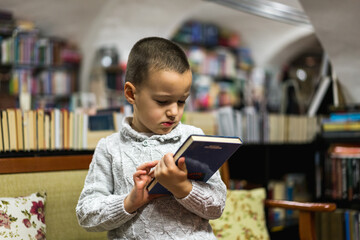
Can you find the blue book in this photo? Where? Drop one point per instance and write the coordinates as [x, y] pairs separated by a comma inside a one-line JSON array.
[[204, 155], [347, 225], [344, 117]]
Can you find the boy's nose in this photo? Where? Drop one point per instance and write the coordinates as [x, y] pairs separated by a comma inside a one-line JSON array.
[[173, 110]]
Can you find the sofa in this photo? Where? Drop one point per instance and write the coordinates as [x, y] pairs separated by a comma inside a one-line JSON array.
[[62, 190]]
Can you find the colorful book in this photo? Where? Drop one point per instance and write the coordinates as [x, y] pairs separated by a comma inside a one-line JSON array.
[[204, 155]]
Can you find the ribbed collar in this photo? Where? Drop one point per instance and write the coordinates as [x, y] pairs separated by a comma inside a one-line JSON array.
[[129, 133]]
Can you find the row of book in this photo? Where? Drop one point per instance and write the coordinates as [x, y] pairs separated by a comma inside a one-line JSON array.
[[255, 127], [54, 129], [207, 34], [63, 129], [342, 172], [47, 82], [208, 94], [28, 47], [342, 224], [219, 62]]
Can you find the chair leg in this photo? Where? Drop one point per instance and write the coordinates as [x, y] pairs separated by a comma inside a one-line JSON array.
[[307, 225]]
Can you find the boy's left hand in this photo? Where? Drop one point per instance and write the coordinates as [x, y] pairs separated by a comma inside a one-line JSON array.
[[139, 195], [172, 176]]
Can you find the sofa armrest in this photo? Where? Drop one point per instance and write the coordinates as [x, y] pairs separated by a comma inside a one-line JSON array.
[[302, 206], [306, 214]]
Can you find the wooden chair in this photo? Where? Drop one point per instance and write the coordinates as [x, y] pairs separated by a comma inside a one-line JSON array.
[[306, 210]]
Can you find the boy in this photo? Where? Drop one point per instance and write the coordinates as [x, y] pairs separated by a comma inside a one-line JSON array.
[[114, 198]]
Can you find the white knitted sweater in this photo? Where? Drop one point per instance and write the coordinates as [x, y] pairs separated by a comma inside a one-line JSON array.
[[110, 179]]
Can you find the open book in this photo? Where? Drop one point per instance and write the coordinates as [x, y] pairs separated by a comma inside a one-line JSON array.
[[204, 155]]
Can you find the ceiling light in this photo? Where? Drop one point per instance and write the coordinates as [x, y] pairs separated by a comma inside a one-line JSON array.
[[268, 9]]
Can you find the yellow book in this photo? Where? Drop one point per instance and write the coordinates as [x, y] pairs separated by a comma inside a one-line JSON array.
[[47, 131], [5, 128], [341, 126], [40, 129], [65, 116], [204, 120], [26, 131], [19, 129], [1, 137], [71, 130], [12, 129]]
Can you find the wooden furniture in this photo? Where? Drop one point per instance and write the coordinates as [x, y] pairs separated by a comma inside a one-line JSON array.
[[306, 214], [44, 163]]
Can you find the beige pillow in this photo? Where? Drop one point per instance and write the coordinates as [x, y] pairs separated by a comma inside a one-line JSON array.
[[243, 216], [23, 217]]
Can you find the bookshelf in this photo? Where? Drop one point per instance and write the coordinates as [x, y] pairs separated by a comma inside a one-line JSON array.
[[219, 63], [36, 71]]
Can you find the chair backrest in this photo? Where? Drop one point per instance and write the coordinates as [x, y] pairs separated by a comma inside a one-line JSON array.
[[243, 216]]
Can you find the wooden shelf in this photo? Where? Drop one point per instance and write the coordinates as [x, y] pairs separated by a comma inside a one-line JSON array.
[[44, 163]]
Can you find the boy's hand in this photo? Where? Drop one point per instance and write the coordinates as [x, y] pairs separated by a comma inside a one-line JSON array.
[[139, 194], [172, 176]]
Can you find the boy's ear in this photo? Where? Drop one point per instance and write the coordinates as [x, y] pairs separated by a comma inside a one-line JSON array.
[[129, 92]]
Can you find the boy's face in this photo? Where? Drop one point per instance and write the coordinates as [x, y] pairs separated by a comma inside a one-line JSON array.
[[159, 103]]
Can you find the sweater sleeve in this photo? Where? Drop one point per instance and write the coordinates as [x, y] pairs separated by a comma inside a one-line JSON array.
[[206, 200], [98, 209]]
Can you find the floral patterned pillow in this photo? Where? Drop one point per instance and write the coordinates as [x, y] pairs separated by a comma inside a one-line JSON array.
[[23, 217], [243, 216]]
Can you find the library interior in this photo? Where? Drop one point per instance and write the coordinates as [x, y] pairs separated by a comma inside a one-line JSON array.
[[280, 75]]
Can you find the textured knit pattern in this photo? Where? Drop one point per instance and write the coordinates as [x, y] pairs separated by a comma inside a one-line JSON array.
[[110, 179]]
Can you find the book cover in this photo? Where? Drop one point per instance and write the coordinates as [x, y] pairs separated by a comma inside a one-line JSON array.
[[204, 155]]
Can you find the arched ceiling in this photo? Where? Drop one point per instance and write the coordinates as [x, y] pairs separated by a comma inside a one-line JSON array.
[[121, 23]]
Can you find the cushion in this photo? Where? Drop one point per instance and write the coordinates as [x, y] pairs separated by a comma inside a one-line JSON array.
[[23, 217], [243, 216]]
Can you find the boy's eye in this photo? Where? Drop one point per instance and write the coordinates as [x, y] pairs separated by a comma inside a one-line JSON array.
[[181, 102], [161, 102]]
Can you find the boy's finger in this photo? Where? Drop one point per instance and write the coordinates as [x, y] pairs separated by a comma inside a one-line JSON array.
[[147, 165], [182, 164]]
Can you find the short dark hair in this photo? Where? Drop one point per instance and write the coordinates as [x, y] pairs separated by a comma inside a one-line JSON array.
[[154, 53]]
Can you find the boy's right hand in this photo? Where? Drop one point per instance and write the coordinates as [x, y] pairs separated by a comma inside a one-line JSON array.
[[139, 194]]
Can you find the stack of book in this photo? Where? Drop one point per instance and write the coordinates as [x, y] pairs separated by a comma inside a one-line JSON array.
[[341, 125], [54, 129]]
